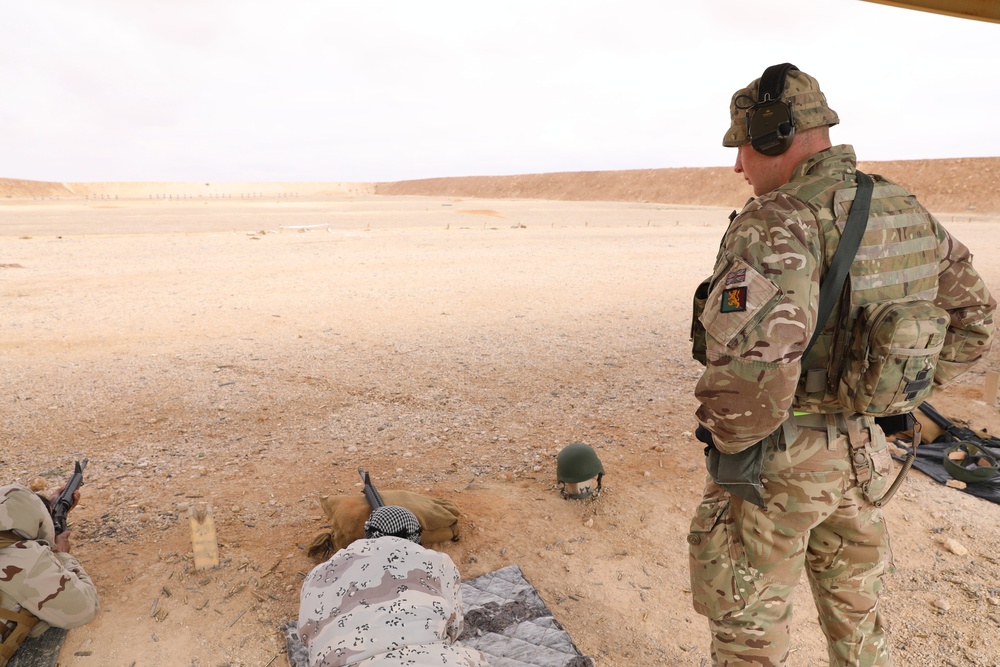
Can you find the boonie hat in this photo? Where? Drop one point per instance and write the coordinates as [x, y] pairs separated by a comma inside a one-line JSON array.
[[809, 107]]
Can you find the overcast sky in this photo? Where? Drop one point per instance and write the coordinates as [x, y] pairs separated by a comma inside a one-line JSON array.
[[383, 90]]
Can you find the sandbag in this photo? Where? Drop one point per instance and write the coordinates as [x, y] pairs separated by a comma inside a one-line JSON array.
[[347, 515]]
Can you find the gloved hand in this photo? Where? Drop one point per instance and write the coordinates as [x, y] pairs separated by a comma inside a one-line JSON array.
[[704, 435]]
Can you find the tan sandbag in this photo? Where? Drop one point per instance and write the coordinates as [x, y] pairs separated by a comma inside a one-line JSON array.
[[347, 515], [929, 431]]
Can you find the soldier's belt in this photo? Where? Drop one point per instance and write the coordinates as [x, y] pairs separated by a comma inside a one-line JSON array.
[[819, 420]]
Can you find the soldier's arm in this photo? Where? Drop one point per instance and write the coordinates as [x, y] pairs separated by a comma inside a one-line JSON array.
[[962, 292], [57, 590], [759, 319]]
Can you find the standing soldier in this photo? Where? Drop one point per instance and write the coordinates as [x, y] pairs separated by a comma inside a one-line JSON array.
[[41, 584], [798, 471]]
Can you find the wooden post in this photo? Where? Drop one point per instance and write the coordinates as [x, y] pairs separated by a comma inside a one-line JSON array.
[[990, 388], [203, 540]]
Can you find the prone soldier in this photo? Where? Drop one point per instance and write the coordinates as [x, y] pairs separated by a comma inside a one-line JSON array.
[[41, 584]]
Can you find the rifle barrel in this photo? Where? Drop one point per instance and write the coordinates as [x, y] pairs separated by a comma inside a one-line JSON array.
[[64, 501], [372, 495]]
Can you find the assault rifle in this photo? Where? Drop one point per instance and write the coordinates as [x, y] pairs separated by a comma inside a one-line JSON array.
[[64, 501], [374, 499], [952, 431]]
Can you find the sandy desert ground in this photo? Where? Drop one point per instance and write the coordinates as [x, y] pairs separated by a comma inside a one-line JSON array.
[[197, 347]]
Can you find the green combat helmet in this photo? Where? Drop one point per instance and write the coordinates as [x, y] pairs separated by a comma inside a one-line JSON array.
[[970, 463], [577, 466]]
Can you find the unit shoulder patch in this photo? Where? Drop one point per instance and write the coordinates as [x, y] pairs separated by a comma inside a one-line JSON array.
[[741, 297], [734, 300]]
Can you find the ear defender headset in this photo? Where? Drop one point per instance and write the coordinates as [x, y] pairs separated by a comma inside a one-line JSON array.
[[770, 124]]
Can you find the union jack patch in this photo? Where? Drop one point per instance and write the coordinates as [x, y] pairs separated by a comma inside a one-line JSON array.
[[736, 277], [734, 300]]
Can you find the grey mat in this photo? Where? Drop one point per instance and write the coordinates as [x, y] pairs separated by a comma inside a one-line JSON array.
[[507, 620], [41, 651]]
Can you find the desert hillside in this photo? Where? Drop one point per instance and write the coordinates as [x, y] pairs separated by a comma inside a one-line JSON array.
[[947, 185], [950, 185]]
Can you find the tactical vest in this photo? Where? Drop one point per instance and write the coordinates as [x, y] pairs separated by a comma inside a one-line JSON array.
[[23, 620], [897, 263]]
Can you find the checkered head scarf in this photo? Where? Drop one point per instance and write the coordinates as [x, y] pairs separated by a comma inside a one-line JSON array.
[[394, 521]]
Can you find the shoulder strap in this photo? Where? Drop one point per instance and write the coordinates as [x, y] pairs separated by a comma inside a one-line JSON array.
[[854, 229]]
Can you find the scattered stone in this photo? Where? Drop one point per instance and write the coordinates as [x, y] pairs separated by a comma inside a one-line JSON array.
[[954, 546], [942, 604], [955, 484], [38, 484]]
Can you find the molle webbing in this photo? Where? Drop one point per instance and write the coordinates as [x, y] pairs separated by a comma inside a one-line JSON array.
[[897, 262], [897, 258]]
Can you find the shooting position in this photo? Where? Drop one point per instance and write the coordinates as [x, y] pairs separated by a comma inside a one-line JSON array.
[[385, 598], [43, 585]]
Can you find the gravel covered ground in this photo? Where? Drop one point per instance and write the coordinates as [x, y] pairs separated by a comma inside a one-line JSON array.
[[196, 352]]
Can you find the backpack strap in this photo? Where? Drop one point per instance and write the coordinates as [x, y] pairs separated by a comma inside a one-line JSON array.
[[833, 282]]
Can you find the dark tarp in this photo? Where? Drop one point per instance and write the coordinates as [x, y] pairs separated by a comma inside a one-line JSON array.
[[930, 460], [41, 651]]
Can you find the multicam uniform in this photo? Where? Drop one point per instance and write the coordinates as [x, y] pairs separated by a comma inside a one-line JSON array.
[[384, 601], [51, 585], [759, 317]]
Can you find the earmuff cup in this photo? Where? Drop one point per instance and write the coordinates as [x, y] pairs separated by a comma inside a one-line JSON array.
[[770, 124]]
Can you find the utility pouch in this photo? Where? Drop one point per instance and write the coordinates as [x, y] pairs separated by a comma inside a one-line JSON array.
[[740, 473], [889, 365], [699, 342], [870, 458]]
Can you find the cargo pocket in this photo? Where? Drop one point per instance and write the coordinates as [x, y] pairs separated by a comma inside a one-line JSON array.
[[722, 581]]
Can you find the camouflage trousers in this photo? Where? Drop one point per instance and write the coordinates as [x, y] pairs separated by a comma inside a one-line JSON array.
[[746, 561]]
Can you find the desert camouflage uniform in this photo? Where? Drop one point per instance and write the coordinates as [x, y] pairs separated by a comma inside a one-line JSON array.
[[384, 601], [50, 585], [759, 317]]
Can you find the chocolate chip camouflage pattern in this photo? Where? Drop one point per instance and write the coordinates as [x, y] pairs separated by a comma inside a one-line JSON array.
[[52, 586], [384, 601], [822, 473]]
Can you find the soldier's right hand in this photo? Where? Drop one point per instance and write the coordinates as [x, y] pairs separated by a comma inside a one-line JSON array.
[[62, 542]]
